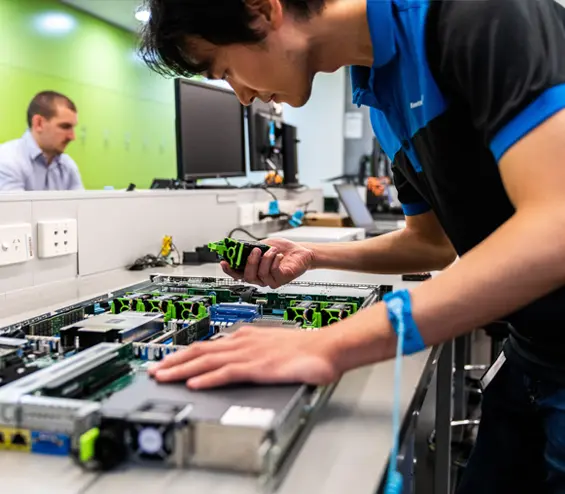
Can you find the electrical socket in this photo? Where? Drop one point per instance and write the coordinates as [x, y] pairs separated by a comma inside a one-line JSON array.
[[16, 244], [246, 215], [57, 238], [288, 207], [261, 207]]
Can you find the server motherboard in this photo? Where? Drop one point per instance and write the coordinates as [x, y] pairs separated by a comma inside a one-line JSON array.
[[73, 382]]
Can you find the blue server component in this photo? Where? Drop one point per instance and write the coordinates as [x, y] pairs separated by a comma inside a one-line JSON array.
[[168, 342], [161, 352], [232, 313], [98, 309], [143, 353], [50, 443]]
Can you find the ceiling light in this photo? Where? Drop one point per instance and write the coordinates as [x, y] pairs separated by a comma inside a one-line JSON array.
[[143, 15], [55, 23]]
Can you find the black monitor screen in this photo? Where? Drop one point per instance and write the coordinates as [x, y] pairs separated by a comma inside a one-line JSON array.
[[265, 138], [210, 132]]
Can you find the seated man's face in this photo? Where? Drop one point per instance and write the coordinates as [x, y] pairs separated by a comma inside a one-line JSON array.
[[59, 131]]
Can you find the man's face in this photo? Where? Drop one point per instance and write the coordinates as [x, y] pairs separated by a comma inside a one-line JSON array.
[[268, 71], [57, 132]]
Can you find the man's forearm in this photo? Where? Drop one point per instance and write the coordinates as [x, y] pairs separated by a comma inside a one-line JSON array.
[[398, 252], [486, 284]]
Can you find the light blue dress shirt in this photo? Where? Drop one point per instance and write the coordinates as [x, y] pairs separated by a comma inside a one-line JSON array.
[[23, 167]]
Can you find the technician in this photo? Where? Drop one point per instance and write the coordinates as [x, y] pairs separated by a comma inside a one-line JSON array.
[[468, 99], [36, 160]]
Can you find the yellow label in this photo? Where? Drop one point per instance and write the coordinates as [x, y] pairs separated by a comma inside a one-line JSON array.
[[15, 439]]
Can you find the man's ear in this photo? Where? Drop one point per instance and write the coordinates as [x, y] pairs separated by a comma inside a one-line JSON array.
[[37, 122], [266, 14]]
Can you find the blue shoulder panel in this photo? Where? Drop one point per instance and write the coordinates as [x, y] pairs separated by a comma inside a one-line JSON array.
[[545, 106], [403, 93]]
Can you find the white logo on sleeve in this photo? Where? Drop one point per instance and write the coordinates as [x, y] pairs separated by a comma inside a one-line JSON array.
[[417, 104]]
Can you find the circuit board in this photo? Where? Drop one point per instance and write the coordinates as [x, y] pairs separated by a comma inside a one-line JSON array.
[[73, 382]]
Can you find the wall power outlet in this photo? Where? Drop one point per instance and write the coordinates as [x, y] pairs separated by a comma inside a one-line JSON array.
[[16, 244], [57, 238]]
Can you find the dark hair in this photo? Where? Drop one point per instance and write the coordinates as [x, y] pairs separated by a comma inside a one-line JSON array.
[[172, 23], [44, 104]]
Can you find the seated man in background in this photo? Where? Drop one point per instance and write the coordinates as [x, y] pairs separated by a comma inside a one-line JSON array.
[[36, 160]]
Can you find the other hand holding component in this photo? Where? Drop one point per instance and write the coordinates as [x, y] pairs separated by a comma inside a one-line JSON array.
[[281, 264]]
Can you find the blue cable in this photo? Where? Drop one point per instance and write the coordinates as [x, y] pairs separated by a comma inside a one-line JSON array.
[[394, 482]]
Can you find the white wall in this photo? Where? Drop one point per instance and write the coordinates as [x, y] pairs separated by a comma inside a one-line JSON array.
[[320, 130], [355, 149]]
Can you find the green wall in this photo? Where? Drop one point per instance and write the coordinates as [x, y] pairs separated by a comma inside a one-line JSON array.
[[126, 113]]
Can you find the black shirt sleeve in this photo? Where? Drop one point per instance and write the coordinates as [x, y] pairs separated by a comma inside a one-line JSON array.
[[412, 202], [505, 60]]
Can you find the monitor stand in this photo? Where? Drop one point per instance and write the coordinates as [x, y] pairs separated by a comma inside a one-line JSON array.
[[294, 186]]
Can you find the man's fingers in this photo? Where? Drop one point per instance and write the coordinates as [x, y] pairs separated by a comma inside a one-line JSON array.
[[221, 377], [194, 351], [276, 271], [264, 272], [252, 266], [256, 372], [198, 366], [229, 271], [276, 263]]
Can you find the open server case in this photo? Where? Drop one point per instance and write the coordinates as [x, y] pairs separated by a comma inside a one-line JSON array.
[[73, 382]]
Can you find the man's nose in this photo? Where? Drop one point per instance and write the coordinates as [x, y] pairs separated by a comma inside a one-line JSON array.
[[245, 95]]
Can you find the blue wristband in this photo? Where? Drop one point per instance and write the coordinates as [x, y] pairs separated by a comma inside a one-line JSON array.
[[399, 307]]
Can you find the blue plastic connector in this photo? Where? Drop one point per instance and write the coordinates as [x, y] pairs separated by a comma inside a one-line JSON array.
[[297, 219], [274, 208]]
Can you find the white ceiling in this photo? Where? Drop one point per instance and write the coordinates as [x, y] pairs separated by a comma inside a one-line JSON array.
[[118, 12]]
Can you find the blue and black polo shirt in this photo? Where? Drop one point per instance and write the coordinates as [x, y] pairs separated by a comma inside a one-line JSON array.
[[454, 85]]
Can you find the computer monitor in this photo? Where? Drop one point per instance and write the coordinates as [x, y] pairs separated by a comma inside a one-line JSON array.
[[290, 155], [265, 140], [353, 203], [210, 132]]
